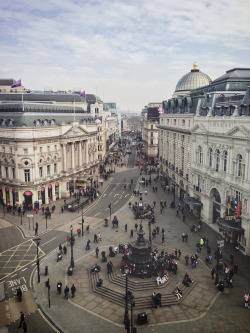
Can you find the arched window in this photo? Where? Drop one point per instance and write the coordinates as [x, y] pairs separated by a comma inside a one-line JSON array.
[[217, 166], [225, 162], [210, 157], [200, 155], [239, 159]]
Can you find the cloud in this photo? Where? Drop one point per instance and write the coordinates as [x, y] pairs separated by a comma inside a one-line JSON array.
[[134, 51]]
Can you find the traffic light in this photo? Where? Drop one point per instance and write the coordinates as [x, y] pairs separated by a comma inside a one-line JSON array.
[[47, 284], [109, 205]]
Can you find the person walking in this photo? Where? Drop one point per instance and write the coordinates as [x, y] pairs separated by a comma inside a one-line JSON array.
[[183, 237], [66, 292], [163, 239], [87, 228], [99, 237], [59, 287], [187, 259], [24, 327], [177, 212], [136, 226], [212, 272], [88, 245], [97, 252], [73, 290], [95, 238], [60, 248], [131, 233], [21, 319], [154, 203], [161, 210]]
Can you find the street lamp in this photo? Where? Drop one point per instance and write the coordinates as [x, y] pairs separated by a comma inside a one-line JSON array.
[[37, 257], [126, 316], [72, 264], [82, 220], [217, 257], [110, 210]]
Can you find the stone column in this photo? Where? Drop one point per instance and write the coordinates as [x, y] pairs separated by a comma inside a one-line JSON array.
[[87, 152], [80, 153], [73, 155], [64, 158]]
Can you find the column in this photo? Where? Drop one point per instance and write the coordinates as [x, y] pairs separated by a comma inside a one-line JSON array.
[[64, 158], [87, 152], [73, 155], [80, 153]]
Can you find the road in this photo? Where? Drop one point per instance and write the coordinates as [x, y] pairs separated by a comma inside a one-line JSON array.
[[18, 257]]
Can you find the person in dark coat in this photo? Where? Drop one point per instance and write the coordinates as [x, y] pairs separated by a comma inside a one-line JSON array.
[[21, 319], [73, 290]]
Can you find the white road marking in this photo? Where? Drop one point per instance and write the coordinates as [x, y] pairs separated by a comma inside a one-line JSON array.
[[33, 264], [104, 194], [115, 195], [126, 195], [116, 202], [48, 241], [24, 269], [106, 208], [14, 275], [97, 214]]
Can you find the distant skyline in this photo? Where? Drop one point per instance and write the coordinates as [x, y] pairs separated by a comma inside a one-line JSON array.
[[127, 52]]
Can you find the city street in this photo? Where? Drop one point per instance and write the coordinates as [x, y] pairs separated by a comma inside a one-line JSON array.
[[230, 302]]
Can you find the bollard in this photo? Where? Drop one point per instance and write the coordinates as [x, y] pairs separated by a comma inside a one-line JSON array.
[[46, 270]]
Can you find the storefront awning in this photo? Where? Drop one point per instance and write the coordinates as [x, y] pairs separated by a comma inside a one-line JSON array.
[[230, 225], [191, 201]]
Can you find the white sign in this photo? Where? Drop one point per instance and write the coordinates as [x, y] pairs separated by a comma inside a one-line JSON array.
[[17, 283]]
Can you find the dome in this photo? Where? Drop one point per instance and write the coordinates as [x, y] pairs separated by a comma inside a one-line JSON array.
[[192, 80]]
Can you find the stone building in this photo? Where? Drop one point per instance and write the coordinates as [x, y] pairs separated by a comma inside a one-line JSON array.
[[221, 155], [175, 141], [51, 144]]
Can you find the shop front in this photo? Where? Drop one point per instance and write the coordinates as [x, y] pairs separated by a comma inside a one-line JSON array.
[[28, 199], [42, 195], [50, 192], [57, 190], [7, 194], [14, 197]]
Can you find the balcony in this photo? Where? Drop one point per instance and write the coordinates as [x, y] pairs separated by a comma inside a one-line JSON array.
[[181, 172], [197, 188]]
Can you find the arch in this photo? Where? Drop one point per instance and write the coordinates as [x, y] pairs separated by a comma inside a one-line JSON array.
[[215, 195]]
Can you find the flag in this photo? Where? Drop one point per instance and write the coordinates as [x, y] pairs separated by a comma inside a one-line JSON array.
[[16, 84], [82, 93]]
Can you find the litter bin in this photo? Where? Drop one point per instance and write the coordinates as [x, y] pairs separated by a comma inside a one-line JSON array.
[[70, 271], [46, 270], [142, 318]]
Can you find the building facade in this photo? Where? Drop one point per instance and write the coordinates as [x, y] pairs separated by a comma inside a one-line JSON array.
[[175, 140], [51, 144], [221, 155]]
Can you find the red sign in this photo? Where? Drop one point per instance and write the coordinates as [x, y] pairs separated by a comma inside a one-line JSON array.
[[56, 184], [6, 189], [43, 189], [50, 186], [13, 190], [238, 209], [27, 194]]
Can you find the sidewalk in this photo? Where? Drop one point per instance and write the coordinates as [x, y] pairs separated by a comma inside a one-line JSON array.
[[86, 311]]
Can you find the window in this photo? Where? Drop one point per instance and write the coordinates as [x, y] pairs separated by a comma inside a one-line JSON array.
[[41, 149], [48, 170], [237, 196], [199, 181], [182, 159], [25, 151], [55, 168], [27, 175], [239, 159], [210, 157], [152, 141], [225, 162], [7, 172], [152, 134], [11, 150], [217, 167], [167, 121], [152, 126], [40, 171], [48, 148], [183, 122], [13, 173], [174, 121], [55, 147], [200, 155]]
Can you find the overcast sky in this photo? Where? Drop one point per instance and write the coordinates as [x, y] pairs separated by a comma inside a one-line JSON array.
[[128, 52]]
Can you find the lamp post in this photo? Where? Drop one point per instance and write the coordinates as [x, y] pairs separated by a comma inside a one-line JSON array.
[[37, 258], [126, 316], [173, 187], [72, 264], [217, 257], [91, 180], [110, 210], [82, 220]]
